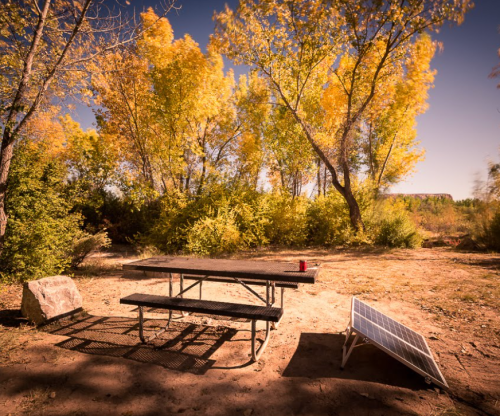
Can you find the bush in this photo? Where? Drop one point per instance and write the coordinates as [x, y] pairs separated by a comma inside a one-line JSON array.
[[287, 219], [486, 231], [41, 226], [395, 227], [214, 235], [493, 232], [179, 213], [250, 209], [169, 233], [440, 215], [84, 244], [329, 222]]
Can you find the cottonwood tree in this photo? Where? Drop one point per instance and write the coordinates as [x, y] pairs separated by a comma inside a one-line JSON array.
[[45, 47], [290, 161], [193, 105], [124, 93], [300, 45], [384, 139], [182, 122]]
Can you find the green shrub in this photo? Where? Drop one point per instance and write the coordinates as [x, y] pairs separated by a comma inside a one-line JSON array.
[[486, 230], [41, 226], [169, 232], [85, 243], [329, 222], [287, 224], [394, 227], [179, 213], [214, 235], [250, 209], [494, 233]]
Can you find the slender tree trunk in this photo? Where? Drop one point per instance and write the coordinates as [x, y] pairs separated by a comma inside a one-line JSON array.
[[319, 176], [203, 174], [6, 152], [324, 180]]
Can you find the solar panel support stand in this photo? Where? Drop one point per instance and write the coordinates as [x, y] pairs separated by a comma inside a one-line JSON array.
[[346, 353]]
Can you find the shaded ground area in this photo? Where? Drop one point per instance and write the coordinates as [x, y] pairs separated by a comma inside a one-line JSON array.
[[94, 364]]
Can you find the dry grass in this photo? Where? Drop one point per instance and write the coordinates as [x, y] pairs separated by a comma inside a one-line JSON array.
[[96, 267], [36, 400], [449, 411], [13, 342]]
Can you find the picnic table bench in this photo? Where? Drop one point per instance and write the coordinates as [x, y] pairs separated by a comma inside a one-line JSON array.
[[243, 272]]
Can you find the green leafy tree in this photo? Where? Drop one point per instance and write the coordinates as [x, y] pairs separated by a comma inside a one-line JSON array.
[[299, 45], [41, 226], [46, 48]]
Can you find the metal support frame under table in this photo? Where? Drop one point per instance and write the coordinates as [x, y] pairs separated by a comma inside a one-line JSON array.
[[256, 352]]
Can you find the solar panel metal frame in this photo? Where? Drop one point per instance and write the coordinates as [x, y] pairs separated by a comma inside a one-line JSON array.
[[352, 329]]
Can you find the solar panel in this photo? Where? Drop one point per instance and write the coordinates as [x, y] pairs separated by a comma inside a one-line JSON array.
[[399, 341]]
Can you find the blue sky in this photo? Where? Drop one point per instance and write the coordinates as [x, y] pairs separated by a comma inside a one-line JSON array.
[[461, 129]]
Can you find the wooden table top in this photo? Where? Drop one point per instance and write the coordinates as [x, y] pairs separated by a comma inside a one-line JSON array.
[[249, 269]]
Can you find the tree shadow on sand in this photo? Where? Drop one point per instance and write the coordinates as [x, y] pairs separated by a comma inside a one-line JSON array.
[[320, 356], [183, 347]]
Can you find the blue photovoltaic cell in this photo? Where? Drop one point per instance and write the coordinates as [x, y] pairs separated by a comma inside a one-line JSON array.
[[391, 325], [406, 345]]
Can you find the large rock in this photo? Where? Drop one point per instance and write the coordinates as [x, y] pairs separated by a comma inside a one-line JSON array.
[[49, 299]]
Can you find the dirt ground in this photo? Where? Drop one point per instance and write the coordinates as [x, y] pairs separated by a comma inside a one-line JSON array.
[[95, 365]]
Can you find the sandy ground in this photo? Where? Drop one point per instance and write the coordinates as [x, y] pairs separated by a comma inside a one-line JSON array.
[[95, 365]]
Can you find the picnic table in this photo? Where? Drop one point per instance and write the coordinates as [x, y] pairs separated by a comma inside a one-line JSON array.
[[247, 273]]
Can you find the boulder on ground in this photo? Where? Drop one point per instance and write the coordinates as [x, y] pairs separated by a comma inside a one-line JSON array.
[[49, 299]]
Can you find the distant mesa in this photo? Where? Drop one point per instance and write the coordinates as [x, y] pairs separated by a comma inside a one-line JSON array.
[[420, 196]]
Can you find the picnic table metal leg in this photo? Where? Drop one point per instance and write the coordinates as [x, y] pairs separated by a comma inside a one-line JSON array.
[[170, 293], [161, 331], [275, 325], [268, 291], [141, 325], [257, 352], [181, 292]]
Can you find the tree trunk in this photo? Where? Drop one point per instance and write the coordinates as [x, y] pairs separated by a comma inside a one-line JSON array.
[[354, 212], [319, 175], [5, 159]]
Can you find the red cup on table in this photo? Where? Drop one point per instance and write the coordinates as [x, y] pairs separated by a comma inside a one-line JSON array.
[[302, 265]]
